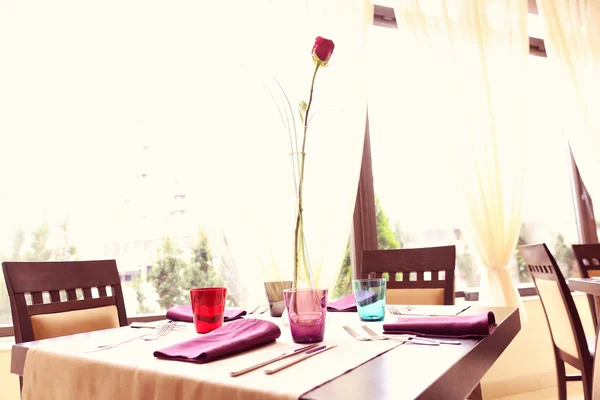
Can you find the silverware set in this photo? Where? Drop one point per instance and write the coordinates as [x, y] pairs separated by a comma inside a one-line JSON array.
[[160, 332], [303, 353], [413, 339]]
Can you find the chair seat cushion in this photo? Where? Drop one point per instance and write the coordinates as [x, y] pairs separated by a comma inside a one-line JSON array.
[[415, 296], [71, 322]]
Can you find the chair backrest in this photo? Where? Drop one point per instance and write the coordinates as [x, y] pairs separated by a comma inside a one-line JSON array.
[[563, 319], [588, 263], [47, 315], [588, 259], [415, 276]]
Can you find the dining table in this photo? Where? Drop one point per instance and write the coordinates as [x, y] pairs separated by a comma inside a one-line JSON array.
[[374, 370]]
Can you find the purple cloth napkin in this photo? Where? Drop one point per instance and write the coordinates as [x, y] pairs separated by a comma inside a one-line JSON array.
[[444, 326], [348, 303], [230, 339], [184, 313]]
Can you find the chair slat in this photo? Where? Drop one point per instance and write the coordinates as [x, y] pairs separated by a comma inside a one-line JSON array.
[[50, 308], [37, 298], [55, 296], [71, 294], [87, 293], [415, 285], [102, 291]]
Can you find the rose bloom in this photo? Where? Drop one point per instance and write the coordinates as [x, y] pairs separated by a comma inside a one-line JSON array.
[[322, 50]]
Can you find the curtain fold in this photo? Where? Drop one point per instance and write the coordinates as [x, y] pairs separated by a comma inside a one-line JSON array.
[[573, 46], [469, 58]]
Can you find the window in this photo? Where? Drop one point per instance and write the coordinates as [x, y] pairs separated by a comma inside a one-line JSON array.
[[417, 197], [93, 167]]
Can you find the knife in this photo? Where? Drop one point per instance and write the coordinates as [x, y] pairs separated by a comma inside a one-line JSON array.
[[306, 355], [272, 360]]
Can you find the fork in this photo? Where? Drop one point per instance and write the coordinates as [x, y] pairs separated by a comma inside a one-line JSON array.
[[164, 329], [395, 311], [411, 339], [371, 338], [403, 338], [356, 335]]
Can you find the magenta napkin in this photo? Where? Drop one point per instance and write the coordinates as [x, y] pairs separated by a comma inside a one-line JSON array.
[[346, 303], [230, 339], [444, 326], [184, 313]]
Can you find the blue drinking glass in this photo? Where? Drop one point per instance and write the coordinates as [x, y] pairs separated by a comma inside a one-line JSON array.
[[370, 298]]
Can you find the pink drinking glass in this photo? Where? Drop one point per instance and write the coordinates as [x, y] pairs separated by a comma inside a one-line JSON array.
[[307, 309], [208, 307]]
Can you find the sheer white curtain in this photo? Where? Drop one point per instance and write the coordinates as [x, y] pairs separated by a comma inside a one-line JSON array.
[[573, 47], [257, 195], [467, 63]]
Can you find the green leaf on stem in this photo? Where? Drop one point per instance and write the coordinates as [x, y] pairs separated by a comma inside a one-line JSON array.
[[302, 106]]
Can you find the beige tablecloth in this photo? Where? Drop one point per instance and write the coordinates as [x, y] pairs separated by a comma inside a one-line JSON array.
[[63, 370]]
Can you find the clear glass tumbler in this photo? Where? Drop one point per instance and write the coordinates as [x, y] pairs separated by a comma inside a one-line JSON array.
[[370, 298]]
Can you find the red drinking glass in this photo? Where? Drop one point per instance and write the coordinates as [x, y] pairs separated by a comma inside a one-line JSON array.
[[208, 306]]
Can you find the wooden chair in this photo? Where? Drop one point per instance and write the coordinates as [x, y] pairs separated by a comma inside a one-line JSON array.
[[588, 262], [568, 338], [416, 276], [42, 320]]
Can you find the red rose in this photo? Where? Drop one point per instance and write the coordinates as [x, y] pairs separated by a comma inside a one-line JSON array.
[[322, 50]]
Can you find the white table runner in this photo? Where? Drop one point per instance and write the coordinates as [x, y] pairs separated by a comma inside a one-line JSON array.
[[63, 370]]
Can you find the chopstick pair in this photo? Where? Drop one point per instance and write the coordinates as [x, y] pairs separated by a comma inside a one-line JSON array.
[[308, 351]]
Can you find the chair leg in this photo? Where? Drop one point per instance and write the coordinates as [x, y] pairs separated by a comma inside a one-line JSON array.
[[476, 394], [561, 378], [586, 380]]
